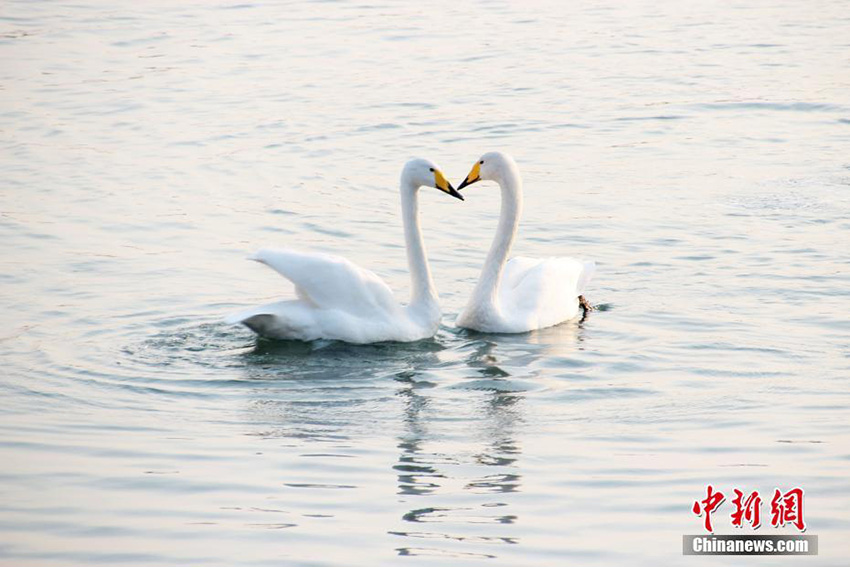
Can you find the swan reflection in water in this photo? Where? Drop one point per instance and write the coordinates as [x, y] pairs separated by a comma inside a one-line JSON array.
[[456, 405], [475, 454]]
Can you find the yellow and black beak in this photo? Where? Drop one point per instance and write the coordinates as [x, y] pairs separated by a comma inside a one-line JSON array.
[[473, 177], [441, 183]]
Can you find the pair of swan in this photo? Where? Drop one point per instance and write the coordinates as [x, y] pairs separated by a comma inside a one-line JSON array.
[[339, 300]]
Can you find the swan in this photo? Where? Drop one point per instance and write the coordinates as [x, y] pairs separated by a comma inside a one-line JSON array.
[[339, 300], [522, 294]]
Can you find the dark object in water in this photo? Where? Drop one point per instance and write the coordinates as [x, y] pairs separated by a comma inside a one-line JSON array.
[[586, 307]]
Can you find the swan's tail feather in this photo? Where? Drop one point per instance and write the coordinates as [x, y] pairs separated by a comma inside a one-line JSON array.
[[233, 319], [259, 320], [261, 324], [586, 275], [281, 320], [257, 256], [242, 316]]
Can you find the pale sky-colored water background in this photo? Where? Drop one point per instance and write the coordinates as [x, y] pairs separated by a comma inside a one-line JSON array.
[[697, 151]]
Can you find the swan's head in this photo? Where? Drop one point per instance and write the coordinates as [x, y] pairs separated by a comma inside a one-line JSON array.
[[492, 166], [425, 173]]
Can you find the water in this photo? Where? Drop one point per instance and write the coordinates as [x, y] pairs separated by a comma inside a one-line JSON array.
[[697, 153]]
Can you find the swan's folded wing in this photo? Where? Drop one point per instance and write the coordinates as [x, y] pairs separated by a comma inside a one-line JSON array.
[[329, 281], [588, 269], [517, 269], [545, 290]]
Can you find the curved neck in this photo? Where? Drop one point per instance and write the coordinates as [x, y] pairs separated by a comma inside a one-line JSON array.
[[422, 286], [487, 290]]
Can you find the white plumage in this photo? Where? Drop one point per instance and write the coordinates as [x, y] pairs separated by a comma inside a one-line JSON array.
[[336, 299], [522, 294]]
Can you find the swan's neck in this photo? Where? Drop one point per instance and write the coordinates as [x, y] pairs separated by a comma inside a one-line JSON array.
[[487, 291], [423, 292]]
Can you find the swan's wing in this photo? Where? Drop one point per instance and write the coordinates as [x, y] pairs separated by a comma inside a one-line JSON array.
[[545, 291], [570, 274], [516, 269], [328, 281]]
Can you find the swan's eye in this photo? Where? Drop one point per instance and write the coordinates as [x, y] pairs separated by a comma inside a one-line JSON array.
[[481, 162], [431, 169]]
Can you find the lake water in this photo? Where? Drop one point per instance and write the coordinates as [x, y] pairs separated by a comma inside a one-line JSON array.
[[697, 152]]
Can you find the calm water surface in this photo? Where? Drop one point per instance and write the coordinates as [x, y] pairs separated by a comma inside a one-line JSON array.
[[699, 153]]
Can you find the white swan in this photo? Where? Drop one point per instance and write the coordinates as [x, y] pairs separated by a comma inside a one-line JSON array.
[[339, 300], [524, 294]]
